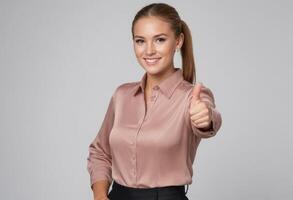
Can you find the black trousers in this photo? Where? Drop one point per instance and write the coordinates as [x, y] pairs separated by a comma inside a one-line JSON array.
[[121, 192]]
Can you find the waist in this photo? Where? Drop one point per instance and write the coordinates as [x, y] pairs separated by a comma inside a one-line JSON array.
[[163, 191]]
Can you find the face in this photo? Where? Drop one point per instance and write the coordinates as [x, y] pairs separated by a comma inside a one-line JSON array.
[[155, 44]]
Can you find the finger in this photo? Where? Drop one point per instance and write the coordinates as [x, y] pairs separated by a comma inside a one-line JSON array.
[[198, 115], [207, 95], [202, 119], [203, 124], [198, 108], [196, 93]]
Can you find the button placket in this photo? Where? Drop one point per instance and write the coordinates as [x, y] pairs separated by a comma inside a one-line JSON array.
[[153, 98], [133, 159], [134, 143], [154, 93]]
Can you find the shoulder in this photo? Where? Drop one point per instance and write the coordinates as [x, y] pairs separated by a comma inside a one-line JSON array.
[[125, 88], [187, 87]]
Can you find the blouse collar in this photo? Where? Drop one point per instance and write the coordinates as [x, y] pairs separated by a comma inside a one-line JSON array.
[[167, 86]]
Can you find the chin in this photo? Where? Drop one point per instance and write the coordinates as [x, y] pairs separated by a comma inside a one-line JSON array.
[[153, 70]]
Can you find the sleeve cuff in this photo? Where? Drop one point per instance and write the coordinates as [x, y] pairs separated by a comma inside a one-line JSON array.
[[100, 177]]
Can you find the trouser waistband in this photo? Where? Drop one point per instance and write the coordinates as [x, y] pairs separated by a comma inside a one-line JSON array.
[[162, 191]]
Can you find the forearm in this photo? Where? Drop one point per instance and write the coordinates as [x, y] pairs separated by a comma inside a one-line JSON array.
[[100, 189]]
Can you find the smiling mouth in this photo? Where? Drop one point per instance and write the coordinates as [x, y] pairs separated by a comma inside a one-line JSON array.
[[151, 61]]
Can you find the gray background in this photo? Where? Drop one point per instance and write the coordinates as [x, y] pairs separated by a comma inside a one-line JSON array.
[[61, 61]]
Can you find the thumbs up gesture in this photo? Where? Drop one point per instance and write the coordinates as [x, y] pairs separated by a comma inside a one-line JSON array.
[[199, 110]]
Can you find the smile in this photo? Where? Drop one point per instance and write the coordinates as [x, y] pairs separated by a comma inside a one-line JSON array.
[[152, 61]]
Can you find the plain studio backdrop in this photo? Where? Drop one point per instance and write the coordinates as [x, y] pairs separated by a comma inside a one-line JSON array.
[[62, 59]]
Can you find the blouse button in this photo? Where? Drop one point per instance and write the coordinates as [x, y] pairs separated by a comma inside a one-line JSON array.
[[156, 87]]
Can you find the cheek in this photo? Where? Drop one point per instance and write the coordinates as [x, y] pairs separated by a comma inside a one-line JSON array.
[[138, 50], [167, 54], [167, 49]]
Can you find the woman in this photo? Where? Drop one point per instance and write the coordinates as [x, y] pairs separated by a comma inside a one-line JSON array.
[[152, 128]]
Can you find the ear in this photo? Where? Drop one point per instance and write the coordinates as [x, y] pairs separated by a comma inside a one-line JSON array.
[[179, 41]]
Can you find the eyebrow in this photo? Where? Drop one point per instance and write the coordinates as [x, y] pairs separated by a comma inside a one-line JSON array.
[[154, 35]]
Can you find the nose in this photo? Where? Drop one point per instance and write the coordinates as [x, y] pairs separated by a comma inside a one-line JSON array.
[[150, 49]]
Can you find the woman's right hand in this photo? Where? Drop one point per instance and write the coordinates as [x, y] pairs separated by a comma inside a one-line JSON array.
[[100, 189]]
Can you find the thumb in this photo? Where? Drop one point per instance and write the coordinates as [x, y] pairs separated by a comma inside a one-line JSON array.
[[196, 93]]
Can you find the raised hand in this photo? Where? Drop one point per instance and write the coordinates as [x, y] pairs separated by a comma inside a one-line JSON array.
[[199, 110]]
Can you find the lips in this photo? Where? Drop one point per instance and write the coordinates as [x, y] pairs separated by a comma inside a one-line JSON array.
[[151, 61]]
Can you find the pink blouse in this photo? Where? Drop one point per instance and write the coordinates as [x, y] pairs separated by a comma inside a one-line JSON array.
[[154, 148]]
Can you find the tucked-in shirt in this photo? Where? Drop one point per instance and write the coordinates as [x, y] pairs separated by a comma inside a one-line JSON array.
[[150, 149]]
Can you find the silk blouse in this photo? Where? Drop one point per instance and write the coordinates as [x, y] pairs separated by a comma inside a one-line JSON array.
[[149, 149]]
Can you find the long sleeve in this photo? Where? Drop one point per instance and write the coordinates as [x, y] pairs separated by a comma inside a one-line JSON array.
[[99, 160], [207, 96]]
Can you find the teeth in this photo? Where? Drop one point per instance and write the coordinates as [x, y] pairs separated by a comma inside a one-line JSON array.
[[153, 60]]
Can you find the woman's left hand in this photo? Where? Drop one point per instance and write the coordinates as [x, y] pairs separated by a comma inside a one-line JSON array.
[[199, 110]]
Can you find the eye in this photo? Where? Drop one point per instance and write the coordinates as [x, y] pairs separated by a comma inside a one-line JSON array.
[[138, 41], [161, 39]]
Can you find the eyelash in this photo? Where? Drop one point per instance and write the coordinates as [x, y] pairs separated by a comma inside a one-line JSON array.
[[162, 40]]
